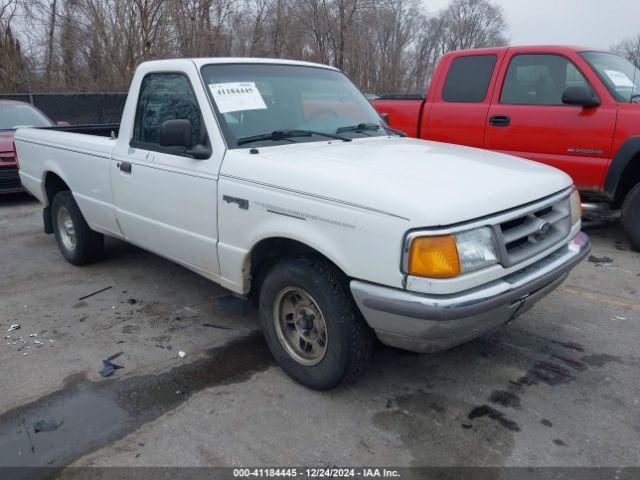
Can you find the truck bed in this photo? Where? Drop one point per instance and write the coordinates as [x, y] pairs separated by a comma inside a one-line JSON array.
[[401, 112], [90, 139], [79, 155]]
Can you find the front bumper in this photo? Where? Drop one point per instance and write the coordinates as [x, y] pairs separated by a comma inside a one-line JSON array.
[[430, 323], [9, 178]]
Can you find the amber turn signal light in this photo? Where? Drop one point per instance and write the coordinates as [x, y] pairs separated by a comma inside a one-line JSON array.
[[576, 207], [435, 256]]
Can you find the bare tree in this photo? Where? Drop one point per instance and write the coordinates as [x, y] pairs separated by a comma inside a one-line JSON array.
[[383, 45], [473, 24], [51, 36], [12, 66], [630, 49]]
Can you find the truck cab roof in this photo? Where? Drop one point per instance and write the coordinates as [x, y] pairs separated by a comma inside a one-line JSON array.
[[527, 48], [199, 62]]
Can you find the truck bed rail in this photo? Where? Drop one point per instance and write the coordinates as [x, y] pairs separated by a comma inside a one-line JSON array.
[[100, 129]]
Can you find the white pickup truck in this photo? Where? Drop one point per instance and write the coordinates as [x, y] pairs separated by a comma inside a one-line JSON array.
[[278, 179]]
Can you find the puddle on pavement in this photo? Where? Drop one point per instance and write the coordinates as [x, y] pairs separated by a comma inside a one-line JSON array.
[[600, 360], [493, 414], [232, 305], [571, 346], [505, 398], [546, 372], [426, 424], [92, 414], [570, 362]]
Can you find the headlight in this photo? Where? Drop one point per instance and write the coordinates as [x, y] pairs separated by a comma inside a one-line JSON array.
[[576, 207], [443, 256], [476, 249]]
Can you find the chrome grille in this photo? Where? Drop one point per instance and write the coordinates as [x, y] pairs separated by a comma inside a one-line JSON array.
[[527, 235]]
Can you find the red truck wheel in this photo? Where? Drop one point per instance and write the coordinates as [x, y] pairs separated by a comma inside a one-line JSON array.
[[631, 216]]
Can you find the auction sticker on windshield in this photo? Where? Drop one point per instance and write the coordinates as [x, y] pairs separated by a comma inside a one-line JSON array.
[[237, 96], [619, 79]]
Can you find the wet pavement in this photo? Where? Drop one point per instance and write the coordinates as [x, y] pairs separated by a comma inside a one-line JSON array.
[[558, 387], [85, 415]]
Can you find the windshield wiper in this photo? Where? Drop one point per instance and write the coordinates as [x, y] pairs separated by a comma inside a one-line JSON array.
[[363, 127], [287, 134]]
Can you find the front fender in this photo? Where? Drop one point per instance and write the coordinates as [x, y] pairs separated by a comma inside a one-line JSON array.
[[363, 244]]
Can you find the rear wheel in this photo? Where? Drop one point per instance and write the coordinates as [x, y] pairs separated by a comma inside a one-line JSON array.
[[77, 242], [311, 324], [631, 216]]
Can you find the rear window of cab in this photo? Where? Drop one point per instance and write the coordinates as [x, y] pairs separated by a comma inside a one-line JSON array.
[[468, 78]]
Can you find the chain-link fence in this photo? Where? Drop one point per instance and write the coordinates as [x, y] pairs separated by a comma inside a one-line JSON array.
[[75, 108]]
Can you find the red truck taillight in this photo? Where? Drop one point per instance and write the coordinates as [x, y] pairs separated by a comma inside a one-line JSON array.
[[15, 155]]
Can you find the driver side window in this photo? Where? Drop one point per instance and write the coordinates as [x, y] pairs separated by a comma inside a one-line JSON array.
[[535, 79], [165, 96]]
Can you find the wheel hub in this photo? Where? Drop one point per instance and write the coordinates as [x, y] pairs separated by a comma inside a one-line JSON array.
[[305, 322], [66, 229], [300, 326]]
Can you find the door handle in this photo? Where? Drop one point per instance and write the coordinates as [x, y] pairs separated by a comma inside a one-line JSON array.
[[499, 121], [124, 166]]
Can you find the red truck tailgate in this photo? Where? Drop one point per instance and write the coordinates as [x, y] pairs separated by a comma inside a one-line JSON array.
[[402, 114]]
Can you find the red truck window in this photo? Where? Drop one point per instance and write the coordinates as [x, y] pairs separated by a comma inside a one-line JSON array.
[[539, 79], [468, 78]]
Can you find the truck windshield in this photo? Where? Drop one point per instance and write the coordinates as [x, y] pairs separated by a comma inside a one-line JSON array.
[[13, 116], [256, 100], [618, 74]]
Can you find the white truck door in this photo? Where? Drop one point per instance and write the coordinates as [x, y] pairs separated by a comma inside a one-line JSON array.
[[166, 201]]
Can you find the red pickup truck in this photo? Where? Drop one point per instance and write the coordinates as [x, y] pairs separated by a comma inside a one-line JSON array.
[[574, 108]]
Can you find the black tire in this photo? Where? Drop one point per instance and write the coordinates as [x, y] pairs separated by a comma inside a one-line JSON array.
[[631, 216], [349, 340], [89, 245]]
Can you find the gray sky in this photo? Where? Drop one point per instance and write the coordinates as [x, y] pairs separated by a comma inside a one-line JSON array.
[[590, 23]]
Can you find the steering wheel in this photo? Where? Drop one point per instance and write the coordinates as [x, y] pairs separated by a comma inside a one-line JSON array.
[[320, 113]]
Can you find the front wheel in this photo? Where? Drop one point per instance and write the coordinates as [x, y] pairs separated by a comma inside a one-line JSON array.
[[631, 216], [77, 242], [312, 325]]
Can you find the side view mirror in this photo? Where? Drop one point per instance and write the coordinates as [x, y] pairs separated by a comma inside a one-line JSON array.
[[581, 96], [385, 117], [62, 123], [199, 152], [175, 133]]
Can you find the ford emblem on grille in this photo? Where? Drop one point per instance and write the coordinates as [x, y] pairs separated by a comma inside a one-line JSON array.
[[544, 228]]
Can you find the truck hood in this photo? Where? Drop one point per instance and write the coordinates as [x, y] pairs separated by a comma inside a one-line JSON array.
[[427, 183]]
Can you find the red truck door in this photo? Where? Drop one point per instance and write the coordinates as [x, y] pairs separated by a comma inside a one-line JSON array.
[[527, 117], [459, 99]]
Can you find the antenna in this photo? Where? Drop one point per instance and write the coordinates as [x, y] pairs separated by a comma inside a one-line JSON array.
[[637, 65]]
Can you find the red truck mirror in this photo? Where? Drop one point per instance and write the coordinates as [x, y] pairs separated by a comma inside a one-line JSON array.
[[581, 96]]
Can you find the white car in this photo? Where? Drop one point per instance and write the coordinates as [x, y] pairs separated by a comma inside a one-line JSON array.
[[278, 180]]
